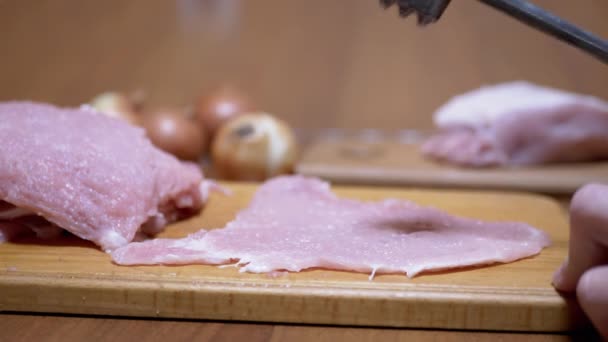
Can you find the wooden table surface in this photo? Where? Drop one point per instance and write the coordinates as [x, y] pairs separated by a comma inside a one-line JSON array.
[[318, 64]]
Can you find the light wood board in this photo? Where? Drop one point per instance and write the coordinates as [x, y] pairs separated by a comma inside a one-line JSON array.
[[72, 276], [392, 163]]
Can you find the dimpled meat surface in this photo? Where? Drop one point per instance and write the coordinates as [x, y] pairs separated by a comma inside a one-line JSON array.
[[294, 223], [95, 176], [519, 123]]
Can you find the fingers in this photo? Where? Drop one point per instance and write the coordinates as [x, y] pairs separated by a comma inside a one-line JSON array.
[[588, 235], [592, 295]]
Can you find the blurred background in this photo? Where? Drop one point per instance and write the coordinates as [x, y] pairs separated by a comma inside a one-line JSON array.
[[314, 63]]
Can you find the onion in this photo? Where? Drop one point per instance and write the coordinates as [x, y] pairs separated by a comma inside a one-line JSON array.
[[171, 131], [117, 105], [216, 108], [253, 147]]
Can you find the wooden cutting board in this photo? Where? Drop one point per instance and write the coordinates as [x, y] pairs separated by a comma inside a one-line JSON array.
[[388, 162], [72, 276]]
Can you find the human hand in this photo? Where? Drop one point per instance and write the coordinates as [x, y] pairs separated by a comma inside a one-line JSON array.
[[585, 271]]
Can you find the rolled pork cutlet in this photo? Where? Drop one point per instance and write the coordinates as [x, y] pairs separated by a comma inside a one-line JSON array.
[[94, 176], [519, 124]]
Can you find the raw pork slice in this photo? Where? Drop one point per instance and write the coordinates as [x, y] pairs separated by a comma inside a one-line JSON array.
[[95, 176], [519, 123], [294, 223]]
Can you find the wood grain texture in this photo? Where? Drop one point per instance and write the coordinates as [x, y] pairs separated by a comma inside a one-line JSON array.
[[391, 163], [70, 276], [26, 328]]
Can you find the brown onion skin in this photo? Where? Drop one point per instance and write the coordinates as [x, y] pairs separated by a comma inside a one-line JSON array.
[[173, 132], [220, 105], [117, 105], [240, 152]]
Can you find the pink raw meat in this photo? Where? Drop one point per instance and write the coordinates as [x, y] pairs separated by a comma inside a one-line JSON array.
[[95, 176], [294, 223], [519, 123]]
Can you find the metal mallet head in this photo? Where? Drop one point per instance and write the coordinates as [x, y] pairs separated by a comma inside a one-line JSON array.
[[428, 11]]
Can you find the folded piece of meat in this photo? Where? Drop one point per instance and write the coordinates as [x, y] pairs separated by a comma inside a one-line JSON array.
[[294, 223], [519, 123], [14, 221], [95, 176]]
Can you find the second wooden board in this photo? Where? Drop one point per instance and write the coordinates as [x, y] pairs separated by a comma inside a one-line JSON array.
[[392, 163]]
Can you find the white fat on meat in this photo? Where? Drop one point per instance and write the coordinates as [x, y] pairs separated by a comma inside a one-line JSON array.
[[295, 223], [519, 123], [95, 176]]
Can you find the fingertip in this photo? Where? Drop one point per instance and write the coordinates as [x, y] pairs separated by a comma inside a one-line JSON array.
[[564, 279], [558, 277], [588, 206], [592, 285]]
